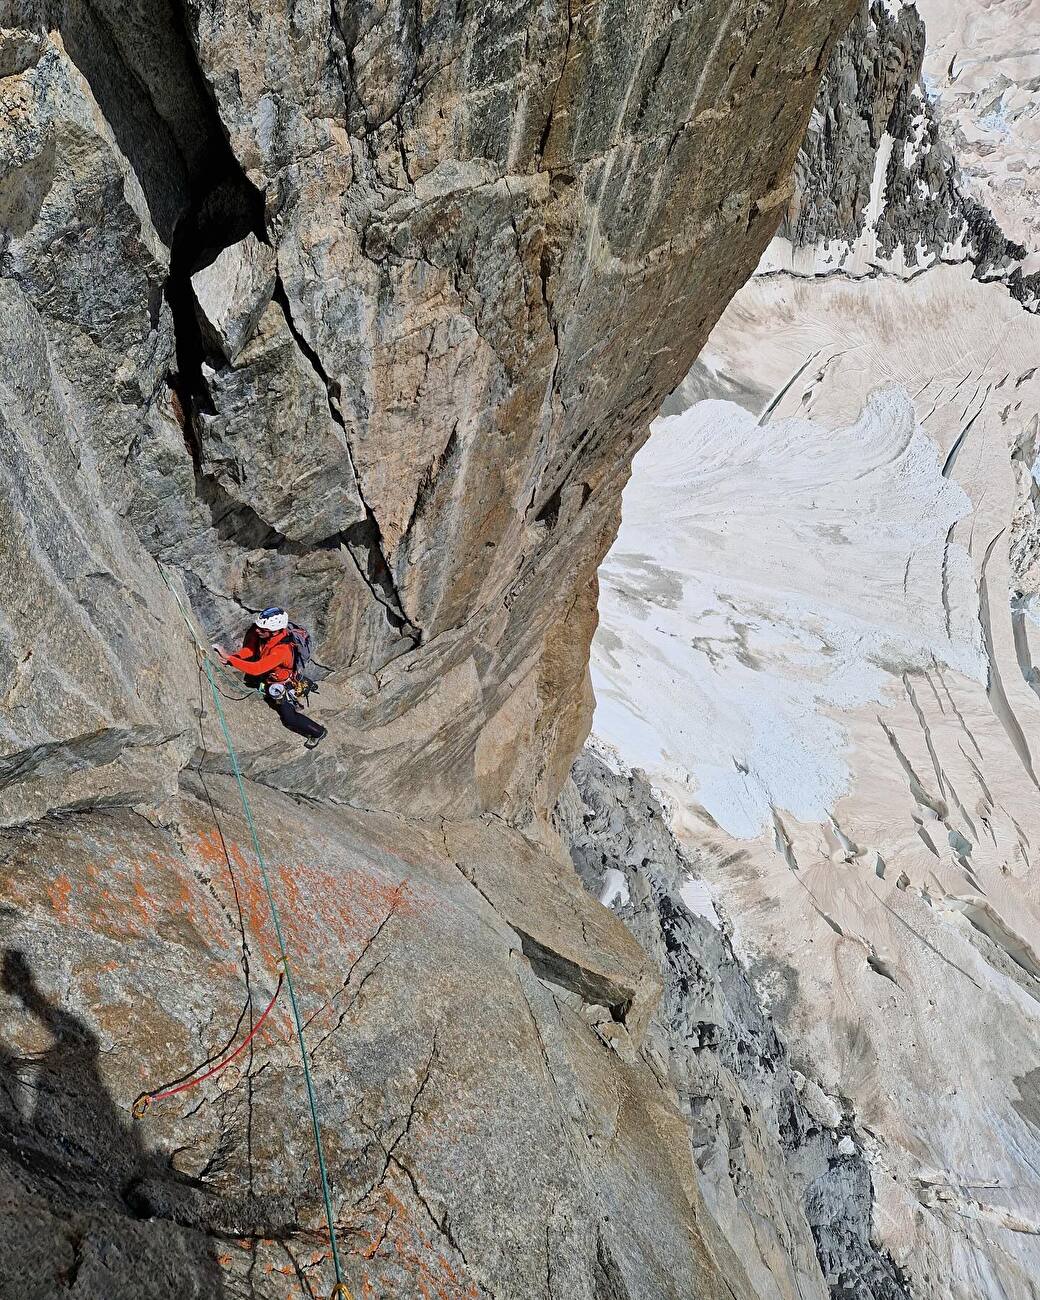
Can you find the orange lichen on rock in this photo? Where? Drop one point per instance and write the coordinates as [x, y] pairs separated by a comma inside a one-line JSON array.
[[59, 891], [348, 904], [402, 1252]]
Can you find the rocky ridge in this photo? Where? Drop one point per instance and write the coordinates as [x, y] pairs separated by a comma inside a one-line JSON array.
[[880, 188], [780, 1165]]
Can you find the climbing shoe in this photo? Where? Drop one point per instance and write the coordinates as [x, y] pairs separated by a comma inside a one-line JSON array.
[[312, 742]]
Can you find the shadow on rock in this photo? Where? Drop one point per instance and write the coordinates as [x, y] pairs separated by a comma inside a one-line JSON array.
[[73, 1217]]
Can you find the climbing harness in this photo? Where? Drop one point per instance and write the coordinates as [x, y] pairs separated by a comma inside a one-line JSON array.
[[144, 1103], [296, 690], [298, 687], [340, 1290]]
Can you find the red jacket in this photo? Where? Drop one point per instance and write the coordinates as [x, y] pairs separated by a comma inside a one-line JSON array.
[[271, 659]]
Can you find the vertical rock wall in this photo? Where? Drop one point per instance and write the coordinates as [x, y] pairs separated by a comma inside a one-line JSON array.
[[360, 309], [453, 240]]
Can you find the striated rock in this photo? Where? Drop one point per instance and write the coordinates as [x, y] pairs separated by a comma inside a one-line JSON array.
[[272, 449], [92, 711], [482, 227], [477, 220]]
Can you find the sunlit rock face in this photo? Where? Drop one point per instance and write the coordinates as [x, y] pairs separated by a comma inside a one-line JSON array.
[[362, 310], [818, 637]]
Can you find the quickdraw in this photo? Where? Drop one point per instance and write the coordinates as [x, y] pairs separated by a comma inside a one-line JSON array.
[[301, 688]]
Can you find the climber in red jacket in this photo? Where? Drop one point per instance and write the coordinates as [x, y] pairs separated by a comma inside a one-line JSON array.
[[267, 660]]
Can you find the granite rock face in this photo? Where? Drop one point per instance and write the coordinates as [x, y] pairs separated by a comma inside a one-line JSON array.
[[232, 293], [362, 310], [474, 219], [270, 449], [490, 1123]]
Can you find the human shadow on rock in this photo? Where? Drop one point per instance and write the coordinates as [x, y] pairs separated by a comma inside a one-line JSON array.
[[73, 1219]]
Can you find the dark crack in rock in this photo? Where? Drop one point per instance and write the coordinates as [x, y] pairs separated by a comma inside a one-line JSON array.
[[476, 245], [483, 223]]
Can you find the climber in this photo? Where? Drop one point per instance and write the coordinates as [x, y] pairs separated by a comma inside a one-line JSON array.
[[269, 659]]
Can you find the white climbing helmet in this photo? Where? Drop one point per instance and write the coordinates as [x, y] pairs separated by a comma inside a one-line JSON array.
[[272, 620]]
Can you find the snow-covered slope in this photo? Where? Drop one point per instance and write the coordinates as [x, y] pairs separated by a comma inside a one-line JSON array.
[[797, 566], [818, 638]]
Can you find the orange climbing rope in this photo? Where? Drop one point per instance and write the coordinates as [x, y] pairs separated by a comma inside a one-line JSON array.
[[145, 1100]]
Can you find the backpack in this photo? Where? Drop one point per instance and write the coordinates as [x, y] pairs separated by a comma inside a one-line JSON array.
[[300, 640]]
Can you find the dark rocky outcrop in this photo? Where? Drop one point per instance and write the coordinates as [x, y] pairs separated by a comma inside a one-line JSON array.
[[874, 92], [780, 1163]]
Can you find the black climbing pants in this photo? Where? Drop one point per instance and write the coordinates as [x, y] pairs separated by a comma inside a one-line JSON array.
[[292, 717]]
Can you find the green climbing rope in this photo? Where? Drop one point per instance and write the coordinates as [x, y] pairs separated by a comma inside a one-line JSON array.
[[341, 1286]]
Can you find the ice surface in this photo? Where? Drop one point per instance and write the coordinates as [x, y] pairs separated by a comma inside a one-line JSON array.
[[615, 888], [766, 578], [697, 898]]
